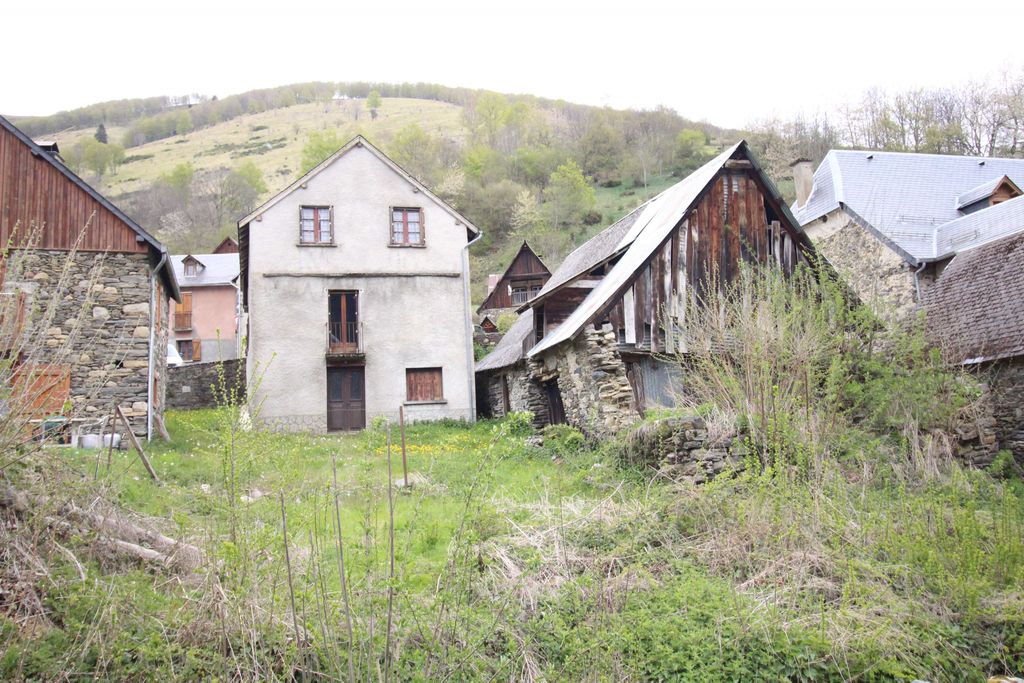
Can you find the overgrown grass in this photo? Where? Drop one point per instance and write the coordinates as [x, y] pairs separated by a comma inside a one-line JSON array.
[[515, 562]]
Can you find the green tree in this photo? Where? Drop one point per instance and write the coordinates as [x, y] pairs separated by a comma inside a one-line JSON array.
[[526, 214], [568, 195], [179, 179], [600, 151], [373, 103], [251, 174], [490, 113], [101, 133], [689, 150], [92, 155], [417, 152], [319, 145]]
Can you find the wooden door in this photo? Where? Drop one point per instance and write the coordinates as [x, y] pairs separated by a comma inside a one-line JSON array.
[[556, 410], [346, 398]]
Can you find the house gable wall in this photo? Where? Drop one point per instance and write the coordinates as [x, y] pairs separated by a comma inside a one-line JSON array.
[[413, 307]]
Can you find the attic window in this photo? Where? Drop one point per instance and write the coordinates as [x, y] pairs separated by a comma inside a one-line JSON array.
[[190, 269], [316, 225]]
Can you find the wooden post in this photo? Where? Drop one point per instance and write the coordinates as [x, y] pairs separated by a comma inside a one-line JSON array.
[[405, 467], [113, 430], [135, 444]]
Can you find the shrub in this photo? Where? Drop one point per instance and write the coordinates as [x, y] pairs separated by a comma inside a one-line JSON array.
[[592, 218], [564, 441]]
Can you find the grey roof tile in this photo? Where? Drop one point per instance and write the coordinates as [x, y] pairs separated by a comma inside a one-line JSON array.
[[510, 349], [217, 269], [905, 197]]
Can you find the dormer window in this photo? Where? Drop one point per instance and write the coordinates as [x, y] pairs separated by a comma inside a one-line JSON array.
[[406, 227], [190, 269], [316, 225]]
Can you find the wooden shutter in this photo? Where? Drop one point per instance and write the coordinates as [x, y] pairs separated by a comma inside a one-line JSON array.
[[42, 389], [423, 384], [197, 349]]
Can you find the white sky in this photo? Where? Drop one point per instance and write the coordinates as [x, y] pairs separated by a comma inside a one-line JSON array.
[[730, 63]]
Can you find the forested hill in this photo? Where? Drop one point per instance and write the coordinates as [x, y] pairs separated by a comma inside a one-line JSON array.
[[519, 166]]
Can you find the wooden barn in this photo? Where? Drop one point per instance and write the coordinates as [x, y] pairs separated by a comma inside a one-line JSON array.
[[597, 327], [521, 281], [113, 280]]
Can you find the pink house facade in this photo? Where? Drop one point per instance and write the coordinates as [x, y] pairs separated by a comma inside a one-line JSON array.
[[204, 326]]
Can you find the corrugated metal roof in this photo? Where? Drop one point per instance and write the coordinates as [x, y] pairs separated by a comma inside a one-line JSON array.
[[905, 197], [974, 309], [658, 220], [510, 349], [215, 269]]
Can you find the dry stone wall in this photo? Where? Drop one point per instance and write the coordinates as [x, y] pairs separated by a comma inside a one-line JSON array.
[[682, 448], [205, 385], [1006, 385], [108, 317]]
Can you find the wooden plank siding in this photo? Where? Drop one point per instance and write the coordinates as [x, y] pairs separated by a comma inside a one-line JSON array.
[[727, 226], [526, 269], [34, 193]]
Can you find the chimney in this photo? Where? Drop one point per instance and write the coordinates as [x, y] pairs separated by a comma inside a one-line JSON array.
[[803, 179], [492, 281]]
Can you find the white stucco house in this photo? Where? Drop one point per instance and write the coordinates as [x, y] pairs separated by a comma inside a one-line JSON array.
[[355, 284]]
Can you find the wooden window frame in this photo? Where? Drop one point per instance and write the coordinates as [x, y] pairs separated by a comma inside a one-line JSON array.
[[317, 218], [405, 243], [190, 268], [414, 387]]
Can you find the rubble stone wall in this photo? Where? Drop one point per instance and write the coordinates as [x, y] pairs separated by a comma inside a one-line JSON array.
[[106, 321]]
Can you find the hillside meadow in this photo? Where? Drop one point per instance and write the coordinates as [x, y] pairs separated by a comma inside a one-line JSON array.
[[518, 561]]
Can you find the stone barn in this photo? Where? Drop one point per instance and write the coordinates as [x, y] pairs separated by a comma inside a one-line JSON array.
[[591, 341]]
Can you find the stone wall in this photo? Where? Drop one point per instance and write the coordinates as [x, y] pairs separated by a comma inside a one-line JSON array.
[[199, 385], [681, 448], [877, 274], [1006, 384], [523, 394], [100, 329], [591, 377]]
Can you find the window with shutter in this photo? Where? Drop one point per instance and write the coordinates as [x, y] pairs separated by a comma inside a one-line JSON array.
[[406, 227], [316, 225], [424, 384], [197, 349]]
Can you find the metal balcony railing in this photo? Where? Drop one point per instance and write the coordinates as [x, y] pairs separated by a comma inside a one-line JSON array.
[[344, 338], [182, 321]]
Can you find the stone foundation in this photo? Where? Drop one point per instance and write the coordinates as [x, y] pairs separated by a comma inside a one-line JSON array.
[[523, 394], [109, 319], [198, 385], [1006, 384], [592, 380]]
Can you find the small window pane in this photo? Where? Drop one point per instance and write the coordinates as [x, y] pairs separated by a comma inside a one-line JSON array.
[[307, 214], [414, 216], [396, 215]]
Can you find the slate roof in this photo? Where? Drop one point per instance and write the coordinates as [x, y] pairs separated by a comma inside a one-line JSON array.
[[976, 307], [903, 197], [509, 350], [215, 270], [983, 191]]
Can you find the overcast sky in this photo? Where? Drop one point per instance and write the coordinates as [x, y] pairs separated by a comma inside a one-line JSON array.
[[730, 63]]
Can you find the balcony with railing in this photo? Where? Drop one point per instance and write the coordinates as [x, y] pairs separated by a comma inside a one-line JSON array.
[[182, 321], [344, 339]]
